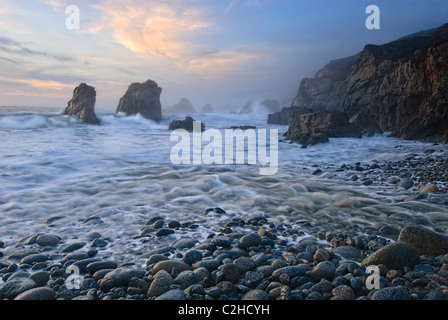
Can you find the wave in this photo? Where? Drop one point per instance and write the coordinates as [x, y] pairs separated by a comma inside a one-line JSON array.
[[30, 121]]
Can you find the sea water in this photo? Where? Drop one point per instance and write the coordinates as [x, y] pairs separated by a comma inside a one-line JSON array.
[[53, 166]]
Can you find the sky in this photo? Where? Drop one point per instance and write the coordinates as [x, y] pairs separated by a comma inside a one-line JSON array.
[[223, 52]]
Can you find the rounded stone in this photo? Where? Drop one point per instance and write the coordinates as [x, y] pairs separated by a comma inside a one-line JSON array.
[[170, 266], [249, 240], [343, 292], [37, 294], [256, 294], [47, 240], [160, 284], [41, 278], [231, 272], [391, 293], [394, 256], [323, 270]]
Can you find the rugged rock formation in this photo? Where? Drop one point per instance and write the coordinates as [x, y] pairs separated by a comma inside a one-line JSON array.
[[186, 124], [183, 106], [207, 108], [282, 117], [322, 92], [309, 129], [82, 105], [403, 85], [271, 106], [399, 87], [143, 98]]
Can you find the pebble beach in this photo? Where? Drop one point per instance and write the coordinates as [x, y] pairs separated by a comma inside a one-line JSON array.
[[258, 257]]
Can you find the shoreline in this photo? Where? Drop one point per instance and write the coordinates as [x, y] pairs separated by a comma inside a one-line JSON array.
[[257, 257]]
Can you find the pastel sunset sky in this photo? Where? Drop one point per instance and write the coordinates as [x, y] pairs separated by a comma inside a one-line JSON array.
[[223, 52]]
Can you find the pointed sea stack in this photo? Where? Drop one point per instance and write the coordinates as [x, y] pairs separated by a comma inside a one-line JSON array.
[[143, 98], [82, 105]]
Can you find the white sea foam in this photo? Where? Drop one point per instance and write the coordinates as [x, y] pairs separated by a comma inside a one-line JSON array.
[[55, 166]]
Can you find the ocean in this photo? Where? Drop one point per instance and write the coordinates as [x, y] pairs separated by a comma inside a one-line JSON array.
[[64, 177]]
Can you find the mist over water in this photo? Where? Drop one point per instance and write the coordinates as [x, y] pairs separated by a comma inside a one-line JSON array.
[[54, 166]]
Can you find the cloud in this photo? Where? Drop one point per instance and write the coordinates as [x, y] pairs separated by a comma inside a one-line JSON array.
[[177, 30], [15, 47]]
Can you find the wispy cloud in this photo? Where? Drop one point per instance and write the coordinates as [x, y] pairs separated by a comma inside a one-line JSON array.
[[176, 30], [15, 47]]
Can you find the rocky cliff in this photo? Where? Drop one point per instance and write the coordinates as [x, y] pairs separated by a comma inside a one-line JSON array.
[[82, 105], [142, 98], [403, 85], [399, 87], [321, 92]]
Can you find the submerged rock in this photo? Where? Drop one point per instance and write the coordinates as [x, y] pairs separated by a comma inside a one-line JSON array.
[[82, 105], [186, 124]]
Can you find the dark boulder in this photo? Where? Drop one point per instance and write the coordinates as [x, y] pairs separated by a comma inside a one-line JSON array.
[[144, 99], [82, 105], [314, 128], [186, 124]]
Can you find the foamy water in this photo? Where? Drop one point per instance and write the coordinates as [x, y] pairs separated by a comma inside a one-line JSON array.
[[54, 166]]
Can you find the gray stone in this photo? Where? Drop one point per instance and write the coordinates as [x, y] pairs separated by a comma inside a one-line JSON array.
[[343, 292], [291, 271], [349, 253], [47, 240], [192, 256], [185, 279], [18, 255], [407, 184], [72, 247], [41, 278], [425, 240], [174, 294], [164, 232], [37, 294], [34, 258], [391, 293], [153, 259], [13, 288], [74, 256], [99, 265], [256, 295], [231, 272], [160, 284], [249, 240], [323, 270], [244, 263], [120, 277], [322, 286], [252, 277], [394, 256], [170, 266]]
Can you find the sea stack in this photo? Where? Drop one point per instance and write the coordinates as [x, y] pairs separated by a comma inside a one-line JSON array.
[[142, 98], [82, 105]]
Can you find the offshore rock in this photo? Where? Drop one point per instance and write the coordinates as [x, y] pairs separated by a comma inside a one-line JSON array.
[[315, 128], [144, 99], [82, 105]]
